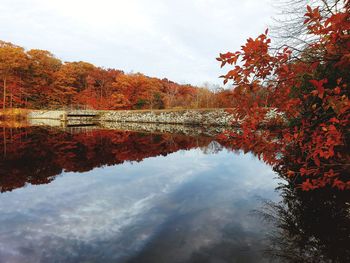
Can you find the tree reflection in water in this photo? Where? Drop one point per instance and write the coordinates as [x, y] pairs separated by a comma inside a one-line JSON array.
[[311, 226], [36, 155]]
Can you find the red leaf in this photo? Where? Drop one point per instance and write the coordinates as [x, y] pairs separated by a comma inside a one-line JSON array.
[[319, 86]]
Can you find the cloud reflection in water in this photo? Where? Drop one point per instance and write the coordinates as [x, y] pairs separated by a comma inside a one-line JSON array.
[[185, 207]]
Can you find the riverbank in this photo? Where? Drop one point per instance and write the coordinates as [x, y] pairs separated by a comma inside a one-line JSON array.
[[200, 117], [215, 117], [195, 117]]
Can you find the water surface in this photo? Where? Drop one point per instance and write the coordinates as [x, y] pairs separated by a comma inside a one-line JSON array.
[[121, 196]]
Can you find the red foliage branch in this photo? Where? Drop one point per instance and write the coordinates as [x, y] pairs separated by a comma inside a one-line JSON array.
[[311, 90]]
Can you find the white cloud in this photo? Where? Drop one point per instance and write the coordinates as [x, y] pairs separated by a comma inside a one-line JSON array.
[[164, 38]]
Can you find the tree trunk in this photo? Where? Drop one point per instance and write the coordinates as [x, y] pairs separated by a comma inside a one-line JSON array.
[[11, 99], [4, 93]]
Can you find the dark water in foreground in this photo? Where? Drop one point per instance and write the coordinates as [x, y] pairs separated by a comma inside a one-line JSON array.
[[117, 196]]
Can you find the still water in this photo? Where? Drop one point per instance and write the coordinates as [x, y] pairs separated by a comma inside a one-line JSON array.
[[121, 196]]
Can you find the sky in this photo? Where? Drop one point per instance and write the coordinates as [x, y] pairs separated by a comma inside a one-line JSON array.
[[176, 39]]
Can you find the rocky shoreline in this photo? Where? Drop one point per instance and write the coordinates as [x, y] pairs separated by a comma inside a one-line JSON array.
[[202, 117], [217, 117]]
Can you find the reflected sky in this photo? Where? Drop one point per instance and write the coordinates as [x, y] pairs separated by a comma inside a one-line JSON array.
[[188, 206]]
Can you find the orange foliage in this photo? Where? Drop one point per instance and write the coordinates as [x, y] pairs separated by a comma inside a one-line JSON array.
[[37, 79]]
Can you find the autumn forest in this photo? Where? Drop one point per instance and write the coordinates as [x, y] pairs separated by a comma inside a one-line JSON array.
[[37, 79]]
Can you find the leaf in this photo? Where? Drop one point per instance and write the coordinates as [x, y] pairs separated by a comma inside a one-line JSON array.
[[309, 9], [319, 86], [290, 173]]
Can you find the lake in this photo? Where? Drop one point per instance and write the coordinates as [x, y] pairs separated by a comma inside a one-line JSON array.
[[96, 195]]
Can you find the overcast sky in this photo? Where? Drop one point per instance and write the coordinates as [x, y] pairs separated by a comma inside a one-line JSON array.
[[177, 39]]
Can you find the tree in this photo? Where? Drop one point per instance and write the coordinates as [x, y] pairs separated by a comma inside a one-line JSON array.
[[41, 76], [71, 79], [312, 92], [12, 60], [138, 89], [290, 29]]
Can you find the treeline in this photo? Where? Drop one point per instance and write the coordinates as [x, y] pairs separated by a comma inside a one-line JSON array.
[[37, 79]]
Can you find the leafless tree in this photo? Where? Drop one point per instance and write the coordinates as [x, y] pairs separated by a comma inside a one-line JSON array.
[[289, 28]]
